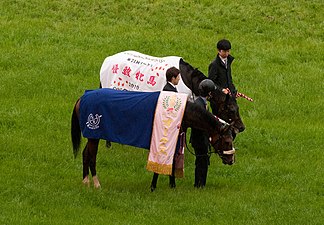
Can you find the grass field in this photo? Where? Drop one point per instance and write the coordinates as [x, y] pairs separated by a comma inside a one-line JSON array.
[[51, 51]]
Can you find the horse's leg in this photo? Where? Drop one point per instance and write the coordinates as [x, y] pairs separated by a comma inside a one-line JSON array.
[[93, 149], [85, 159], [154, 181]]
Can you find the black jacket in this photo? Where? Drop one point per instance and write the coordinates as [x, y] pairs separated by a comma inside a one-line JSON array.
[[199, 138], [169, 87], [221, 75]]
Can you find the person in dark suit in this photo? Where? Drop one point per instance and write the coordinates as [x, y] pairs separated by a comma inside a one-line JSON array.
[[220, 72], [173, 77], [200, 139]]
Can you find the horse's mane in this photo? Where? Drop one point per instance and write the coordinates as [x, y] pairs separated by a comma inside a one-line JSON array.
[[197, 74], [195, 71], [191, 76]]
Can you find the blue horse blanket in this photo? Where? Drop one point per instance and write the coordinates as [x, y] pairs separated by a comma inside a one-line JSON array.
[[125, 117]]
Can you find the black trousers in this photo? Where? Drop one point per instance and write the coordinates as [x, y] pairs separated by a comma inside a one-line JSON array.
[[202, 163]]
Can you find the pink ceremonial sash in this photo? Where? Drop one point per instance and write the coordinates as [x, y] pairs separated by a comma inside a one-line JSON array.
[[166, 126]]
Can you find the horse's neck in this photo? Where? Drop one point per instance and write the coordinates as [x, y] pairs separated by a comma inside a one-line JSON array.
[[197, 117], [191, 77]]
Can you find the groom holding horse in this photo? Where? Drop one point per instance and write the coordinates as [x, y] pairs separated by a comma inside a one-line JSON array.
[[200, 139]]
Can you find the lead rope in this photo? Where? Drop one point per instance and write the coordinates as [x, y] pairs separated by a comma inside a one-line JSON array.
[[239, 94]]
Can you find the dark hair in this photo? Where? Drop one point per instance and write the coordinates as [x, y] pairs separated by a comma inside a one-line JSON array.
[[224, 45], [172, 72]]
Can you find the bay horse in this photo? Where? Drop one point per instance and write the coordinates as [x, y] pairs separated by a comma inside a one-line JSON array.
[[195, 117]]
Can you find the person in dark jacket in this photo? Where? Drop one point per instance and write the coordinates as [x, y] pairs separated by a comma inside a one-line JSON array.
[[173, 77], [219, 70], [200, 139]]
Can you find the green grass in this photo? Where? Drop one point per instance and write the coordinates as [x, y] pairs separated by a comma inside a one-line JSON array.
[[52, 51]]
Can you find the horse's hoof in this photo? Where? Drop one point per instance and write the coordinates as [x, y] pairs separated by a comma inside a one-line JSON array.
[[199, 186], [152, 188], [96, 182], [172, 186], [108, 144], [86, 182], [98, 186]]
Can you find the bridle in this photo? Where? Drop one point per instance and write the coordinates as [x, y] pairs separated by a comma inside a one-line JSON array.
[[210, 151], [222, 152]]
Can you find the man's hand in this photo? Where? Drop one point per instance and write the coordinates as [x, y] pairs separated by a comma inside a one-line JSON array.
[[226, 91]]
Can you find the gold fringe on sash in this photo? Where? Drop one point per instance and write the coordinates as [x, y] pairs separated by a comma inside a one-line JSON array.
[[159, 168]]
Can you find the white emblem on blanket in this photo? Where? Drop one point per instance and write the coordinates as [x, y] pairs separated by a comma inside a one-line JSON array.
[[93, 121], [134, 71], [166, 127]]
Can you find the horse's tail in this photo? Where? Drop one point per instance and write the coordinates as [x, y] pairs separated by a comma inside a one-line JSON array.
[[75, 131]]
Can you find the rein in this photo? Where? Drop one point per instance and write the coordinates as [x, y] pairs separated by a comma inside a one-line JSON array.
[[194, 154], [228, 152]]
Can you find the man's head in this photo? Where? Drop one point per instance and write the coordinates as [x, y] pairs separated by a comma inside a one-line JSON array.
[[173, 75], [205, 87], [224, 47]]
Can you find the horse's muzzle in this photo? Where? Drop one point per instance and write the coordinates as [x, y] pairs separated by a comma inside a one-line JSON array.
[[228, 159], [242, 128]]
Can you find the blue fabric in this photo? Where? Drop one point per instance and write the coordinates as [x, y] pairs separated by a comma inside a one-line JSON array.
[[125, 117]]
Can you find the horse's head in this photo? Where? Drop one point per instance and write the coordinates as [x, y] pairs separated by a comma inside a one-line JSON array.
[[227, 109], [191, 76], [223, 145]]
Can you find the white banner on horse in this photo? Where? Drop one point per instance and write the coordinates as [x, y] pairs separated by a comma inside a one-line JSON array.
[[134, 71]]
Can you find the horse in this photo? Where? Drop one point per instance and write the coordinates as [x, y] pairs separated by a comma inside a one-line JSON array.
[[228, 109], [191, 77], [220, 136]]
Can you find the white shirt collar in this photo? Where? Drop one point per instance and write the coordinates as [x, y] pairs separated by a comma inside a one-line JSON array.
[[172, 84], [223, 59]]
